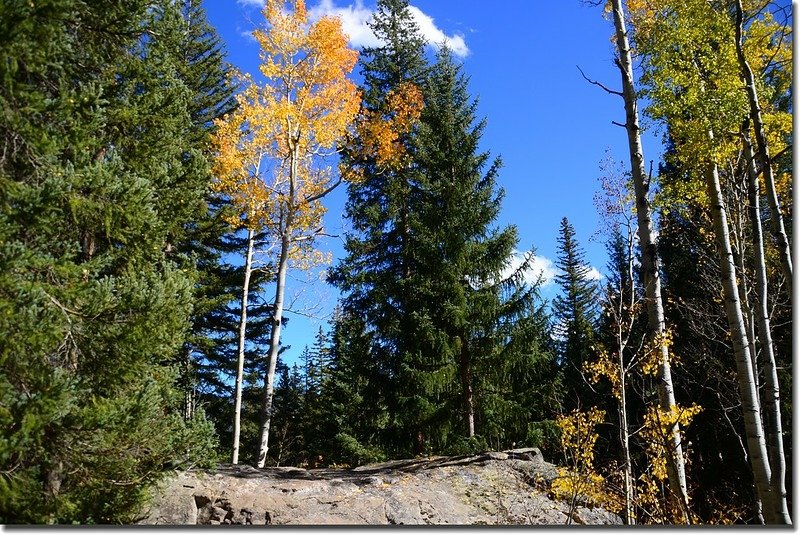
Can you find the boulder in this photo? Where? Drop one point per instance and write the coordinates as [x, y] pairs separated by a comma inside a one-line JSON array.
[[509, 487]]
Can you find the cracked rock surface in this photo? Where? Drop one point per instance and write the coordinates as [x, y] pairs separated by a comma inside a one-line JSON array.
[[507, 487]]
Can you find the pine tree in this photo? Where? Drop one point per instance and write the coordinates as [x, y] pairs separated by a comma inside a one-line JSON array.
[[353, 420], [205, 237], [288, 441], [316, 362], [96, 185], [575, 313], [444, 347]]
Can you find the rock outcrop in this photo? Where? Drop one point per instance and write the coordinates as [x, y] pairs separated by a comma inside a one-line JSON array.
[[509, 487]]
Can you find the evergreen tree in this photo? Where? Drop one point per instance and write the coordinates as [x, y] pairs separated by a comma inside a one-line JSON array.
[[375, 276], [443, 346], [353, 417], [98, 177], [205, 236], [692, 285], [288, 442], [575, 313], [485, 333], [316, 362]]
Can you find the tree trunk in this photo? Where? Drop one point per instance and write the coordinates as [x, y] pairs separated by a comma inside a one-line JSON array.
[[650, 261], [277, 312], [188, 388], [763, 155], [466, 388], [274, 346], [237, 411], [627, 470], [624, 439], [625, 317], [748, 394], [737, 231], [774, 426]]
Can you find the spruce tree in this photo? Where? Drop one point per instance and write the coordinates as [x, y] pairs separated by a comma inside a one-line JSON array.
[[443, 346], [205, 237], [375, 275], [288, 441], [575, 313], [486, 337], [353, 417]]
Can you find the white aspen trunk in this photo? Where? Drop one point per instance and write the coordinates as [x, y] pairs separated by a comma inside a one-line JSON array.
[[774, 426], [280, 290], [274, 346], [188, 392], [650, 262], [763, 155], [748, 394], [627, 470], [622, 343], [237, 411], [737, 232], [624, 438]]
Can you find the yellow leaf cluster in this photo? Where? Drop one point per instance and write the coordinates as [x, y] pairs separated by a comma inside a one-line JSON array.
[[581, 479], [693, 79], [658, 425], [270, 153], [578, 436], [590, 487], [608, 367], [652, 355], [382, 133]]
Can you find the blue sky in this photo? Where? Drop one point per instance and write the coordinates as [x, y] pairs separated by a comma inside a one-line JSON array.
[[551, 128]]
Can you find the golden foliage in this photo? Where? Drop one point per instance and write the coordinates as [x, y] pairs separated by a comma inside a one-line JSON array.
[[382, 134], [581, 480], [270, 153], [692, 77], [658, 426], [606, 366], [653, 494]]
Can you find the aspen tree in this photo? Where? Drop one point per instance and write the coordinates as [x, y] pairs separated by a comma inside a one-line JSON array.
[[692, 73], [650, 260], [290, 123]]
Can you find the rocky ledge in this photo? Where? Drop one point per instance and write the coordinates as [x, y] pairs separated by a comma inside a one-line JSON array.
[[509, 487]]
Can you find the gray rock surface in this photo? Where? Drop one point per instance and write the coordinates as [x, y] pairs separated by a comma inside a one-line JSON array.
[[507, 487]]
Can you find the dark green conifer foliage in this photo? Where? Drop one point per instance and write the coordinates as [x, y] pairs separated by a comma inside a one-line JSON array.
[[289, 445], [485, 335], [701, 340], [442, 346], [353, 418], [575, 314], [375, 276], [204, 237], [98, 175], [316, 362]]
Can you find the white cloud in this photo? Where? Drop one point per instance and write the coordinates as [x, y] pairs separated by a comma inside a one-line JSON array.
[[434, 36], [540, 268], [248, 35], [251, 3], [594, 274], [354, 22]]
